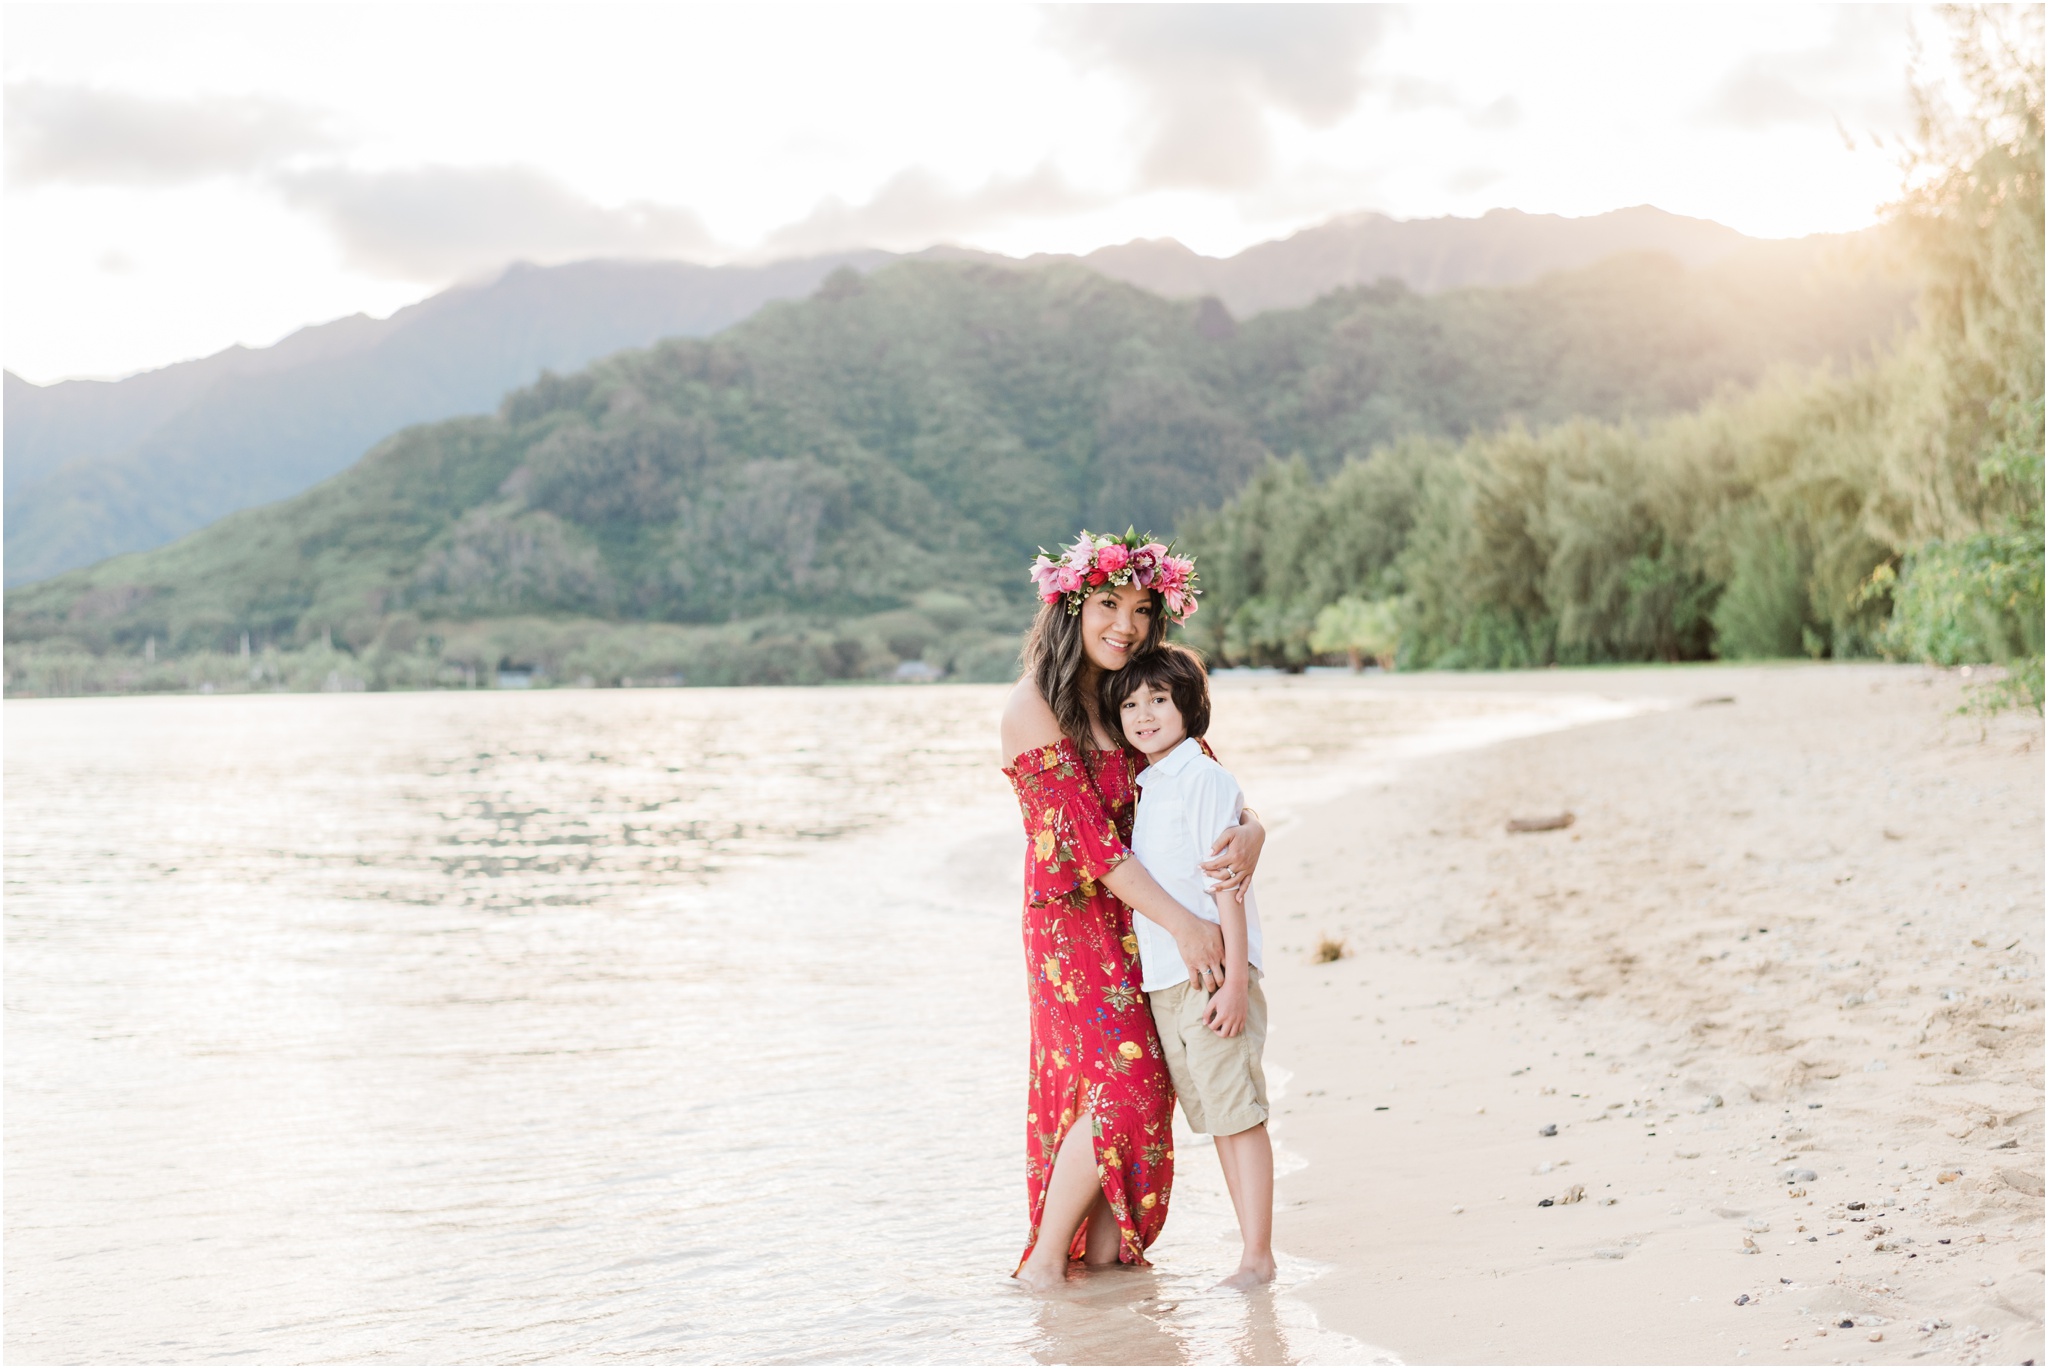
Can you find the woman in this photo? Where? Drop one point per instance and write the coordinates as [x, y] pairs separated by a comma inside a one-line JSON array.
[[1099, 1142]]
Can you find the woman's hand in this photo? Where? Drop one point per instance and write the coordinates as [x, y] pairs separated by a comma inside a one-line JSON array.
[[1235, 856], [1227, 1009], [1201, 946], [1200, 943]]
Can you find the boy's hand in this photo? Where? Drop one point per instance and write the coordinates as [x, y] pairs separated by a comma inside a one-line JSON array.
[[1227, 1008]]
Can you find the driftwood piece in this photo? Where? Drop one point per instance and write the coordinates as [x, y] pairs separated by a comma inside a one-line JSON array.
[[1554, 823]]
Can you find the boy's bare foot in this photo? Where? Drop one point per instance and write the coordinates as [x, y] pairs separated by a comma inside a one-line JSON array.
[[1251, 1274]]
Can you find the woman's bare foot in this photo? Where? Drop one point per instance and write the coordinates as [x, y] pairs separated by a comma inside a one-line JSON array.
[[1043, 1278], [1251, 1274]]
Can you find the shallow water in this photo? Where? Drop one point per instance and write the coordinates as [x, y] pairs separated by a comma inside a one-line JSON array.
[[679, 1025]]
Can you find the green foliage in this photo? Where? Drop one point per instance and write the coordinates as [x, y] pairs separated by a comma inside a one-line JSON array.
[[1359, 628], [923, 428], [1287, 546], [1972, 590], [1893, 506], [955, 638]]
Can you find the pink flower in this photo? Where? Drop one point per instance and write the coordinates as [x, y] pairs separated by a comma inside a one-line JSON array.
[[1112, 558], [1070, 580]]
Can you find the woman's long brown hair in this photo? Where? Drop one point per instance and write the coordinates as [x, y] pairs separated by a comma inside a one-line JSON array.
[[1057, 664]]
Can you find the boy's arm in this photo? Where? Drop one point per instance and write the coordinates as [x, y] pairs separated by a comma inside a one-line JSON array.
[[1227, 1009], [1217, 809]]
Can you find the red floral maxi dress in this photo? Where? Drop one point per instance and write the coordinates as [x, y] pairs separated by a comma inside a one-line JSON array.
[[1094, 1050]]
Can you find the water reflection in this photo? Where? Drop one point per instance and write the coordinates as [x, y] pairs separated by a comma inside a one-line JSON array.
[[681, 1026]]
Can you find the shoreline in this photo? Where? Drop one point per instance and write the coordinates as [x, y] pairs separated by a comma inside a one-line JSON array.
[[1762, 905]]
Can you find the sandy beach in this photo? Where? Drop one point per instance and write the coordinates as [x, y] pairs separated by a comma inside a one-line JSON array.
[[1764, 1024]]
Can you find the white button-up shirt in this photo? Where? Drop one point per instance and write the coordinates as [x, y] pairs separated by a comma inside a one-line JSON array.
[[1185, 802]]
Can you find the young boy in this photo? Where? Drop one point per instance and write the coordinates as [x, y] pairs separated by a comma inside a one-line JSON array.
[[1160, 704]]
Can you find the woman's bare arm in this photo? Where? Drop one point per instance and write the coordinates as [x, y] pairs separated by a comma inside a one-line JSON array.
[[1028, 722], [1200, 942]]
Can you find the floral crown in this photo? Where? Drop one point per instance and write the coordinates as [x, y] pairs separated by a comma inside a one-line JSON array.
[[1092, 562]]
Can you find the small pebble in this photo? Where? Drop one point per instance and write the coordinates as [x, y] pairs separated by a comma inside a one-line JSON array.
[[1800, 1176], [1548, 1202], [1877, 1335], [1549, 1130], [1742, 1301], [1456, 1210]]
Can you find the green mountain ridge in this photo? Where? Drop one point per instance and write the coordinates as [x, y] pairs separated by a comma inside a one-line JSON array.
[[97, 468], [859, 476]]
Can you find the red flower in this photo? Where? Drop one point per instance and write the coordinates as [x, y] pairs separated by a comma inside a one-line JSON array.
[[1096, 577]]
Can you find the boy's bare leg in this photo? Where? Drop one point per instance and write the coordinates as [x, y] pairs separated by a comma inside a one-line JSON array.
[[1247, 1161], [1069, 1196]]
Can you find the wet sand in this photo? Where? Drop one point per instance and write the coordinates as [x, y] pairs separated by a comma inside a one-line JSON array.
[[1796, 924]]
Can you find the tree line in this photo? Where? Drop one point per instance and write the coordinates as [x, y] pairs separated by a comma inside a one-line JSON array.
[[1889, 507], [780, 503]]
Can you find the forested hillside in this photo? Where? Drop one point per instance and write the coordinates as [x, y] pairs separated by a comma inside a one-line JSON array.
[[1891, 509], [851, 481], [96, 468]]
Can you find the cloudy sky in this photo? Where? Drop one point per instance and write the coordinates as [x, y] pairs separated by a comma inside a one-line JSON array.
[[183, 177]]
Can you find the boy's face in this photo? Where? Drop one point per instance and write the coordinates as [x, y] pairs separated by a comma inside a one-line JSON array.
[[1151, 721]]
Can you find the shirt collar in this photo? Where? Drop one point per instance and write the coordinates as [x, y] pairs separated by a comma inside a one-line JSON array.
[[1173, 762]]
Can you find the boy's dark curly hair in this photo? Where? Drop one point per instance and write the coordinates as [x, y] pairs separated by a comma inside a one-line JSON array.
[[1175, 669]]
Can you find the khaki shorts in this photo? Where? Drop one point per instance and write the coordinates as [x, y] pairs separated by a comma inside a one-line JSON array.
[[1221, 1085]]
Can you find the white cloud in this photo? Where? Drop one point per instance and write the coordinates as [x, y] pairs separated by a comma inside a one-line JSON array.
[[916, 209], [83, 135], [259, 167], [1820, 85], [1210, 73], [437, 223], [1506, 112]]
